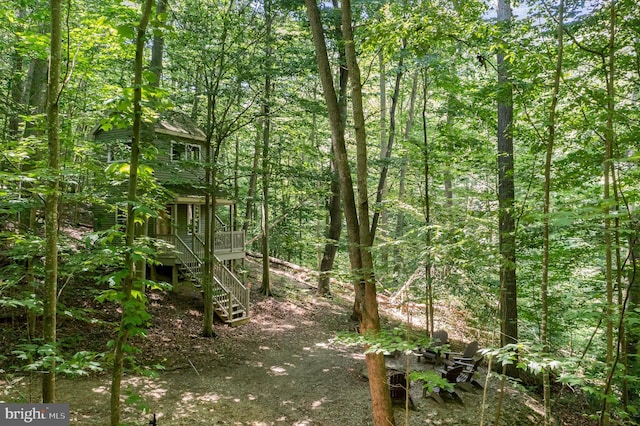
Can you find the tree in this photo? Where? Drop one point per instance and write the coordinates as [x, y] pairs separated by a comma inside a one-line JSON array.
[[357, 219], [506, 194], [266, 134], [544, 301], [129, 303], [51, 203]]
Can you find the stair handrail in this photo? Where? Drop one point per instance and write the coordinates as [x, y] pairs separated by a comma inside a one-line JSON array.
[[231, 283], [185, 254]]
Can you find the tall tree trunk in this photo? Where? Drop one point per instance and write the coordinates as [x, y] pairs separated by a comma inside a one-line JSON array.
[[381, 401], [370, 322], [334, 206], [16, 96], [506, 194], [51, 203], [399, 257], [253, 179], [209, 223], [380, 209], [333, 233], [427, 215], [632, 332], [544, 323], [157, 48], [266, 134], [608, 168], [127, 288], [385, 153]]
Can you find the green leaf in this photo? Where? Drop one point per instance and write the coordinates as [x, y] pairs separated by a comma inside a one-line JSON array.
[[126, 31]]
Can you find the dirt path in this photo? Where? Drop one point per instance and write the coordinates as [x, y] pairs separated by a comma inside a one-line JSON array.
[[281, 368]]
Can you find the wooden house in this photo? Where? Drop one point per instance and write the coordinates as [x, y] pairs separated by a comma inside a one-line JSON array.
[[177, 148]]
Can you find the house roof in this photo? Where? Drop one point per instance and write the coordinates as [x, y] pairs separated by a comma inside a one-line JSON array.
[[176, 125], [182, 128]]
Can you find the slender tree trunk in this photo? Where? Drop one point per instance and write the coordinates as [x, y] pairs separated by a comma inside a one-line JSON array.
[[334, 206], [16, 96], [333, 233], [382, 410], [127, 288], [632, 332], [266, 276], [399, 262], [544, 301], [51, 202], [370, 322], [209, 222], [385, 153], [608, 167], [427, 216], [380, 210], [506, 194], [251, 191]]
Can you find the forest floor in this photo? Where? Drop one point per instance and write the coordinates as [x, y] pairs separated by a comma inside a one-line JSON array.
[[281, 368]]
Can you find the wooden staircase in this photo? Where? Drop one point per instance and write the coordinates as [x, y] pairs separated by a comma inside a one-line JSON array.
[[230, 296]]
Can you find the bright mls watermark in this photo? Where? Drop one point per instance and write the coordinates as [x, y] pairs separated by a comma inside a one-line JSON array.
[[34, 414]]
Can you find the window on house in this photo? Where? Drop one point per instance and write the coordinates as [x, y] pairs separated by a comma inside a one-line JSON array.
[[177, 151], [193, 152], [182, 152], [118, 150]]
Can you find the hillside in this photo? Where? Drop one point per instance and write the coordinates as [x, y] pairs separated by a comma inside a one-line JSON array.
[[280, 368]]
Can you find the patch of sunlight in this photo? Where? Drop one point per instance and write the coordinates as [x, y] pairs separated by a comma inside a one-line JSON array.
[[302, 423], [288, 364], [279, 327], [326, 370], [100, 389], [322, 345], [259, 424], [358, 356], [251, 397], [278, 371], [316, 404], [228, 378], [264, 348], [207, 397], [306, 348]]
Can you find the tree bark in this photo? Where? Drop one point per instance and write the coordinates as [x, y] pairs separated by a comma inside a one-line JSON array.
[[382, 410], [506, 195], [266, 134], [127, 288], [608, 168], [51, 202], [370, 322], [158, 46], [334, 206], [544, 302], [403, 172]]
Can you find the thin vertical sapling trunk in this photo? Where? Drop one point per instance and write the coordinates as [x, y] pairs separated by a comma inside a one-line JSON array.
[[51, 202], [127, 288], [544, 301]]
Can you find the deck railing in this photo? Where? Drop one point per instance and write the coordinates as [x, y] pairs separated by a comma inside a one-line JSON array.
[[232, 285], [229, 292], [229, 241]]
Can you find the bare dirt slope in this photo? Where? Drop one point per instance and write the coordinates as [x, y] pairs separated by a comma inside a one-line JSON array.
[[281, 368]]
